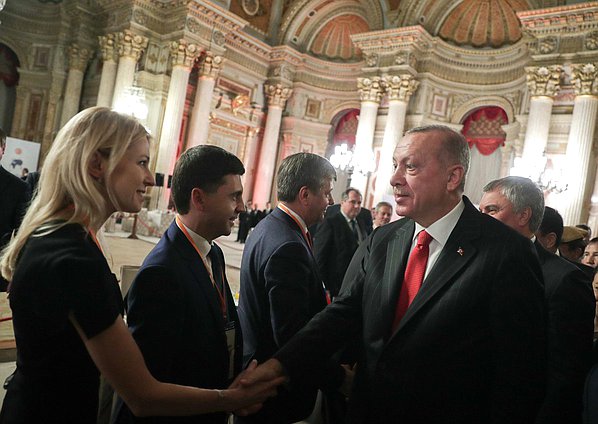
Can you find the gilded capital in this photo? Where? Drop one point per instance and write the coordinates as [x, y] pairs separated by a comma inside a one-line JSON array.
[[370, 89], [183, 53], [584, 79], [78, 57], [131, 44], [278, 94], [211, 65], [399, 87], [108, 46], [543, 80]]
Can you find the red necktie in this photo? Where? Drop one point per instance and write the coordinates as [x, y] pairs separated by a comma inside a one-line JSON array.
[[414, 275]]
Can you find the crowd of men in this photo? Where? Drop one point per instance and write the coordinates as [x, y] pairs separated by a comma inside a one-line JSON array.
[[452, 314]]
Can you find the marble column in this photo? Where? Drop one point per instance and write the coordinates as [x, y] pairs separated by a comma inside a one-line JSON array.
[[251, 145], [579, 145], [182, 56], [108, 47], [370, 92], [78, 58], [543, 85], [130, 48], [199, 126], [277, 97], [399, 88]]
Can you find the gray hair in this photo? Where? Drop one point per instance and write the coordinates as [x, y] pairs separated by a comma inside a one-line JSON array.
[[381, 204], [455, 149], [522, 193], [302, 169]]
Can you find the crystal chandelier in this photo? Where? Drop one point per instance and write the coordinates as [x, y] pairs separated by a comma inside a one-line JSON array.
[[2, 4]]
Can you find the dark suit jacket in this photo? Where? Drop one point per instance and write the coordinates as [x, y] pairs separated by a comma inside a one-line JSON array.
[[471, 347], [334, 246], [281, 290], [14, 198], [571, 306], [364, 218], [175, 317]]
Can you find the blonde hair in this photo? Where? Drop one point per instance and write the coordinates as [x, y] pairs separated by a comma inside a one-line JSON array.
[[67, 192]]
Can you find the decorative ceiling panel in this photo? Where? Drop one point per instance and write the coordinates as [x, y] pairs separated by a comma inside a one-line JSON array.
[[333, 41]]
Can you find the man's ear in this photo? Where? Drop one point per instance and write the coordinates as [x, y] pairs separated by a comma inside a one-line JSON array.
[[303, 195], [524, 216], [97, 166], [456, 173], [198, 199], [550, 239]]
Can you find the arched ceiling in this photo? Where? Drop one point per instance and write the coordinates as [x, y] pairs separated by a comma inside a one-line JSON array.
[[483, 23], [333, 41]]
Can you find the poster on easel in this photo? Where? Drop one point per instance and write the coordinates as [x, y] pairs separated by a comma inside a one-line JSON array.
[[20, 154]]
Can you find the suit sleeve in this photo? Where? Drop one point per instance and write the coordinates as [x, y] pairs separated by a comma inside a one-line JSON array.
[[286, 273], [517, 316], [155, 303], [571, 309], [323, 246]]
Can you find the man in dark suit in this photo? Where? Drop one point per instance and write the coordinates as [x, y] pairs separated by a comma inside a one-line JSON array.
[[469, 345], [337, 240], [281, 288], [14, 198], [519, 203], [364, 218], [180, 307]]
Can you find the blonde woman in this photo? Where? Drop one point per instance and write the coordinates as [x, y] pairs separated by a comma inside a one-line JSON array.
[[65, 301]]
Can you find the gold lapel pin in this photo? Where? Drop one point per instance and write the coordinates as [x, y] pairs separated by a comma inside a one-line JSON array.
[[460, 251]]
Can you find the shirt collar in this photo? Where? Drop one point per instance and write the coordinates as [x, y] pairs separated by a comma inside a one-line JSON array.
[[442, 229], [286, 209], [202, 244], [346, 217]]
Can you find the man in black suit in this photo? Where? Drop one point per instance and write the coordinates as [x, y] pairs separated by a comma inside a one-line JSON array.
[[364, 218], [519, 203], [467, 347], [180, 307], [14, 198], [337, 240], [281, 287]]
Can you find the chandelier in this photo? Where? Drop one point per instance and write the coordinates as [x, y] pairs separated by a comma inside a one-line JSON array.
[[360, 161], [2, 4], [541, 172]]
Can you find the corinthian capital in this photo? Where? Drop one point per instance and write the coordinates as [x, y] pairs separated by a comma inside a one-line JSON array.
[[108, 46], [211, 65], [543, 80], [584, 79], [183, 53], [130, 44], [370, 89], [400, 87], [278, 94], [78, 57]]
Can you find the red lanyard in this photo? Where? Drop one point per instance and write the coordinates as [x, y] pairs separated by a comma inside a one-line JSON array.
[[307, 238], [221, 295]]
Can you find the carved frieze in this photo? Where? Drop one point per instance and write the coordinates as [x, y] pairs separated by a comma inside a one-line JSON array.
[[543, 80], [370, 89], [547, 45], [399, 87], [78, 57], [211, 65], [591, 42], [277, 94], [108, 46], [584, 79], [131, 44], [183, 53]]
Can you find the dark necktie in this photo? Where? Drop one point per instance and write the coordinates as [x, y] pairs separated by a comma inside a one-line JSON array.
[[354, 229], [414, 276], [217, 271]]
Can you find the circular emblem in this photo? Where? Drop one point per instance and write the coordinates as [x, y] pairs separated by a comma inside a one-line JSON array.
[[250, 7]]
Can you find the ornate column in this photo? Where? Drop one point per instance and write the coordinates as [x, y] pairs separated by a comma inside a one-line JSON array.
[[182, 56], [543, 84], [581, 135], [370, 92], [108, 47], [277, 97], [199, 126], [130, 48], [251, 145], [399, 88], [78, 58]]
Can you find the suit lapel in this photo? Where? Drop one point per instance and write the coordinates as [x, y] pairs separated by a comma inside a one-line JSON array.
[[197, 269], [394, 270], [455, 255]]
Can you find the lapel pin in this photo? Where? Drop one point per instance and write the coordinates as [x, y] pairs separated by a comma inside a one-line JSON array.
[[460, 251]]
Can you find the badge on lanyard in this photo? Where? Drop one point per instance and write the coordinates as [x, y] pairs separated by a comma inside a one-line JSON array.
[[229, 331]]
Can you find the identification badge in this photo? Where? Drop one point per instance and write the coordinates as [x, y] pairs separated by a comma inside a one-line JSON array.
[[229, 331]]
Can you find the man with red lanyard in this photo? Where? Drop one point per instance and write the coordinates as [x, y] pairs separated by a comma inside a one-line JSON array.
[[281, 287], [180, 308]]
